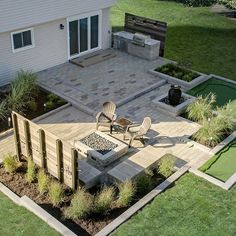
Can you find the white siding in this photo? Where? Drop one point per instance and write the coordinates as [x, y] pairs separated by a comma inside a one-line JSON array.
[[16, 14], [51, 48]]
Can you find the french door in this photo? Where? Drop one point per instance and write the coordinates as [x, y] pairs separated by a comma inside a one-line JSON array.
[[84, 34]]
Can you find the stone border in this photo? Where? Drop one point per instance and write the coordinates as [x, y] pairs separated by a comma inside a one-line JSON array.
[[186, 85], [222, 78], [76, 104], [142, 202], [141, 92], [177, 110], [37, 119], [37, 210]]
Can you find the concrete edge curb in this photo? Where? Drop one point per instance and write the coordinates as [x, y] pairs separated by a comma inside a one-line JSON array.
[[79, 106], [36, 210], [224, 185], [142, 202]]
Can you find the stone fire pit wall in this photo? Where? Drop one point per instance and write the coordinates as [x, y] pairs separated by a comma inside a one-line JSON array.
[[109, 151]]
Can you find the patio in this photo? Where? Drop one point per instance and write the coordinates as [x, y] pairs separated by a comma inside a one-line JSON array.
[[116, 79]]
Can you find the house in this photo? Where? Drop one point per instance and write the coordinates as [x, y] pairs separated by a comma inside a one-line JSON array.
[[39, 34]]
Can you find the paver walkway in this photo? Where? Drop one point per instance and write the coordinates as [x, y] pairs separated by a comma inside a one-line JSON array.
[[111, 80]]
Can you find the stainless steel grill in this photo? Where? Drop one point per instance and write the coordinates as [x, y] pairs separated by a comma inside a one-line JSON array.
[[139, 39]]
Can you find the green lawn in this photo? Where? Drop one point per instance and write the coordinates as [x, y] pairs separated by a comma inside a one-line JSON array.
[[16, 221], [192, 207], [195, 35], [222, 165]]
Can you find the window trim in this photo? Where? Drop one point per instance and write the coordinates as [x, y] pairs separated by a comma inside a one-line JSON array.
[[25, 47]]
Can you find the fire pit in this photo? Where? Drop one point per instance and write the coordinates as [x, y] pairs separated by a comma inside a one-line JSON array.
[[100, 148]]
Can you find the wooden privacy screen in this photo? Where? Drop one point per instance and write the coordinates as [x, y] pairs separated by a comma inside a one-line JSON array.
[[156, 29], [57, 157]]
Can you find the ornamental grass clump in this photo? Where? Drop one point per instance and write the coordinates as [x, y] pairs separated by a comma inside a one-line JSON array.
[[201, 109], [10, 163], [81, 205], [127, 192], [31, 171], [55, 193], [43, 181], [104, 199], [166, 165], [144, 184]]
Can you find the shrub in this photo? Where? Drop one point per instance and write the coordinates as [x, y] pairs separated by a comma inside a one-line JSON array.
[[81, 205], [43, 181], [3, 110], [144, 184], [32, 105], [23, 89], [10, 163], [104, 199], [201, 108], [126, 193], [198, 3], [55, 192], [229, 3], [31, 171], [210, 133], [166, 165]]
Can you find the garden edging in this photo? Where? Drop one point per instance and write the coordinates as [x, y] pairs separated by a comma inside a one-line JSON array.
[[142, 202], [37, 210], [186, 85]]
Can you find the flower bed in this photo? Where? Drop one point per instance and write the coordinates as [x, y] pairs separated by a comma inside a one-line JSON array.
[[99, 215]]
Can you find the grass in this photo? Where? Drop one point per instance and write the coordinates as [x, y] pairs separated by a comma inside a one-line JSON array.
[[192, 207], [223, 164], [16, 221], [197, 35]]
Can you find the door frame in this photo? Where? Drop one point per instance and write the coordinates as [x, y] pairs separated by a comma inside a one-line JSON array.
[[81, 16]]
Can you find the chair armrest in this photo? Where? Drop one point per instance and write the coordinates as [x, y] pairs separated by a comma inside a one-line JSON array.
[[98, 115]]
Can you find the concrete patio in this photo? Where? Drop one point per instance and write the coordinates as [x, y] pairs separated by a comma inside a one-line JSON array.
[[116, 79]]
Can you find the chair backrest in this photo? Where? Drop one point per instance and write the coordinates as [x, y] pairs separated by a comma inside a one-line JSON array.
[[145, 126], [109, 108]]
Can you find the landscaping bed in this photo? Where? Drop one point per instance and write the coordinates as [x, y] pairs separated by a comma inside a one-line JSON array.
[[222, 165], [29, 100], [90, 223]]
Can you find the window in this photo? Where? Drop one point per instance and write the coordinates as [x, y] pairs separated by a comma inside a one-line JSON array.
[[22, 40]]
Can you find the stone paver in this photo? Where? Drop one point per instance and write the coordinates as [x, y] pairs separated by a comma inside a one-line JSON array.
[[113, 79]]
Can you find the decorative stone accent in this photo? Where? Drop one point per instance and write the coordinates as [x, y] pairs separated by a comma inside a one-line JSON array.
[[163, 104], [100, 148]]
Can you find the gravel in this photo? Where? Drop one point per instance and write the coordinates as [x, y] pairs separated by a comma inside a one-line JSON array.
[[98, 143]]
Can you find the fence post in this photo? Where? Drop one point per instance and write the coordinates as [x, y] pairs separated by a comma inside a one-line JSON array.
[[42, 146], [27, 139], [16, 136], [74, 158], [60, 170]]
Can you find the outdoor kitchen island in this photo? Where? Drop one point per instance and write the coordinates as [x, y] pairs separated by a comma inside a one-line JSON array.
[[139, 45]]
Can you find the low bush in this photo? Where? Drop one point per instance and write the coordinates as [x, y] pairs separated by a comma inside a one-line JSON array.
[[229, 3], [81, 205], [178, 72], [126, 193], [104, 199], [198, 3], [10, 163], [31, 171], [166, 165], [144, 184], [202, 108], [55, 193], [43, 181]]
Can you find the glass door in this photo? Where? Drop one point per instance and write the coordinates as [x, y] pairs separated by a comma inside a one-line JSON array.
[[84, 35]]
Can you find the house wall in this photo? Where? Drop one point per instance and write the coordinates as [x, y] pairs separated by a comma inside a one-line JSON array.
[[51, 48]]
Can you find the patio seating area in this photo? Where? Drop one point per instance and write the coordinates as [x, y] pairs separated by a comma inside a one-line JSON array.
[[109, 80]]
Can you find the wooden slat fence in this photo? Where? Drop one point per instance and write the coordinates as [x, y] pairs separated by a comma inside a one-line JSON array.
[[57, 157], [156, 29]]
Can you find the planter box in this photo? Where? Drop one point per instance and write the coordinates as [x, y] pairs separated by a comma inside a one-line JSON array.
[[184, 84], [177, 110]]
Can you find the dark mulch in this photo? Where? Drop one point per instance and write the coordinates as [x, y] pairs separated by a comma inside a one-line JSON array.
[[18, 184]]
